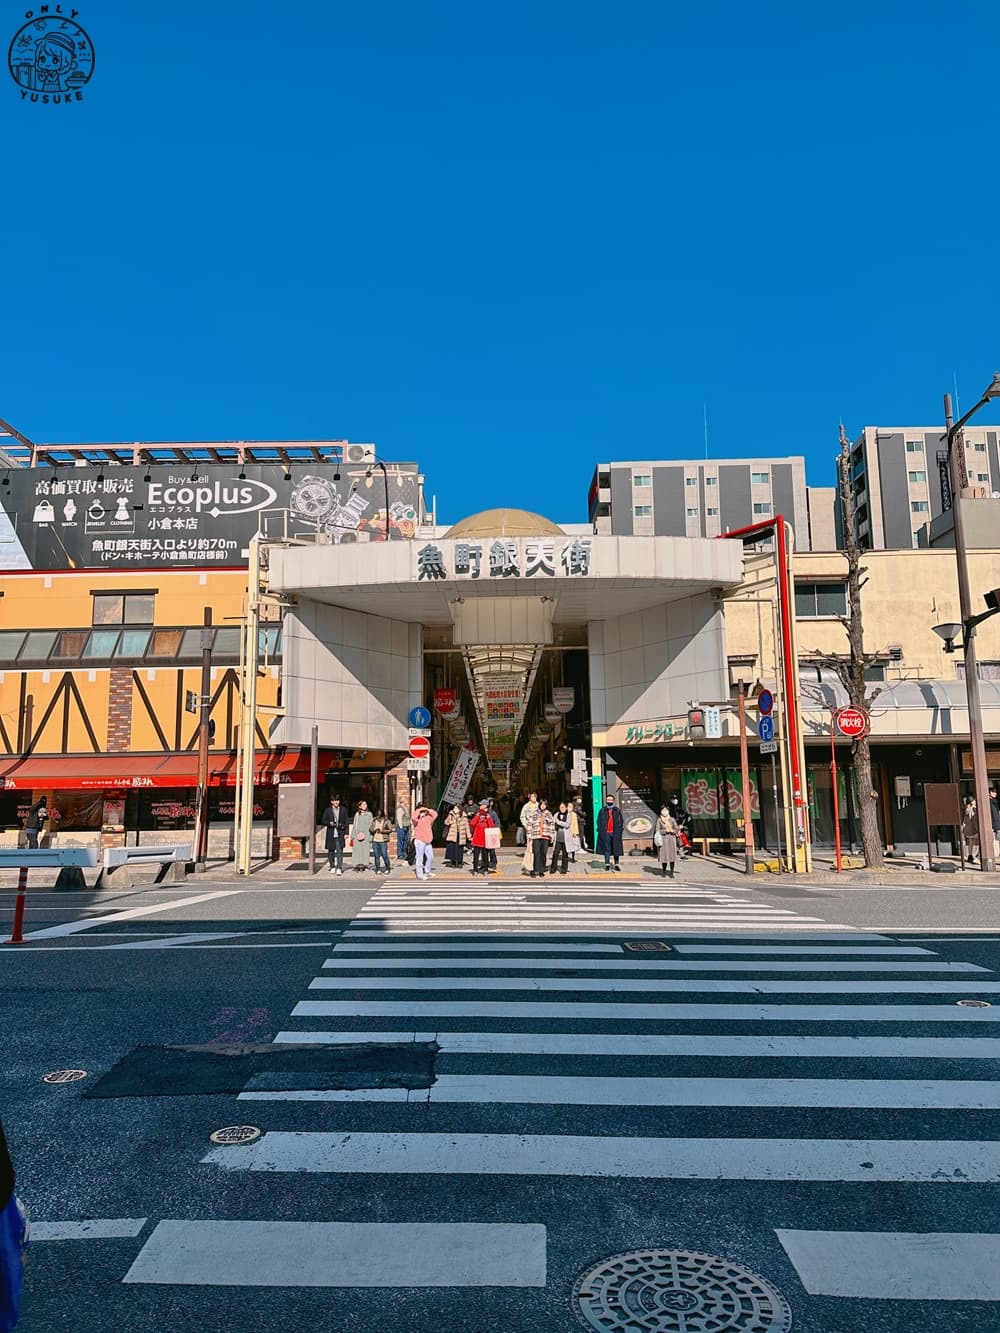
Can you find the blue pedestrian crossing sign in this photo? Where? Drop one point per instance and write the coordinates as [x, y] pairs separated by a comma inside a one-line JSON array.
[[765, 728], [420, 716]]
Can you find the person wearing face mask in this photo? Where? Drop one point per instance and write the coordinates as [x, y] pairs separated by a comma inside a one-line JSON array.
[[665, 839], [361, 828], [335, 822], [609, 834]]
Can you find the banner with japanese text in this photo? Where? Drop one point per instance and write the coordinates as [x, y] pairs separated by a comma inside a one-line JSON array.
[[713, 793]]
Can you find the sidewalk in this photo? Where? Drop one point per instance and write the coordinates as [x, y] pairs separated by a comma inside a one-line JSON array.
[[710, 870]]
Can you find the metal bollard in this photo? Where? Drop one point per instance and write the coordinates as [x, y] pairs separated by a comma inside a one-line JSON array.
[[16, 935]]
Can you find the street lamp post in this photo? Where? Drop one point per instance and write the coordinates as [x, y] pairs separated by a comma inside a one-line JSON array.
[[977, 741]]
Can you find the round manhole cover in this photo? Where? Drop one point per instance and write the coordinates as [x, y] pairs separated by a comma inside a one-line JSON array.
[[236, 1134], [64, 1076], [973, 1004], [677, 1291]]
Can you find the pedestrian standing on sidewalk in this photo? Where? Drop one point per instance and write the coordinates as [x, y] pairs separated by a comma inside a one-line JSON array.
[[527, 818], [423, 841], [541, 831], [665, 839], [581, 823], [478, 825], [560, 847], [381, 828], [970, 828], [361, 828], [491, 856], [457, 837], [995, 820], [609, 834], [334, 820], [402, 830], [573, 832]]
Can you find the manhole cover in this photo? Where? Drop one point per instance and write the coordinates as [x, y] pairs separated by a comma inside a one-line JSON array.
[[646, 946], [236, 1134], [64, 1076], [677, 1291], [973, 1004]]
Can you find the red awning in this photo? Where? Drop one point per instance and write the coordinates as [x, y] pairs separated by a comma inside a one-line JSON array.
[[75, 772]]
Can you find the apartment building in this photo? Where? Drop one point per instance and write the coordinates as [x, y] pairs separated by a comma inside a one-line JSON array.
[[900, 479], [707, 497]]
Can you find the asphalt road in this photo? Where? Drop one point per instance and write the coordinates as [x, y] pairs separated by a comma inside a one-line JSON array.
[[754, 1086]]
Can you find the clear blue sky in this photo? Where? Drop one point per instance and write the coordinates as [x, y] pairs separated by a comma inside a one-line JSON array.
[[508, 241]]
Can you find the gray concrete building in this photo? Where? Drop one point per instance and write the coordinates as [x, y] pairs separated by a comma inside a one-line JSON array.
[[707, 497], [897, 474]]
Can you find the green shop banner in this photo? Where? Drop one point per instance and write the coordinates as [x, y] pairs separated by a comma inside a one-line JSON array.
[[714, 793]]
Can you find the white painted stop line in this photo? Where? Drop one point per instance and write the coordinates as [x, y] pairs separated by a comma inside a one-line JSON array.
[[342, 1254], [897, 1265]]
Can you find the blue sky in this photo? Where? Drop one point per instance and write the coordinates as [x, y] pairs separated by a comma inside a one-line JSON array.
[[507, 241]]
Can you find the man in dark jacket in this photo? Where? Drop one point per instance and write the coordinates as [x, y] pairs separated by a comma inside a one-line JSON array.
[[335, 822], [35, 822], [609, 834], [995, 819], [12, 1241]]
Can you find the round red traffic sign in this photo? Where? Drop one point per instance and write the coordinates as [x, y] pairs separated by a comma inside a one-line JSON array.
[[420, 747], [852, 722]]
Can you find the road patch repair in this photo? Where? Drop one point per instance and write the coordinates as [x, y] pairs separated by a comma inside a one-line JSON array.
[[196, 1071]]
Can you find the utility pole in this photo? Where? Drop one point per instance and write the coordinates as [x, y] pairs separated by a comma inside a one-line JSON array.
[[745, 778], [205, 708], [977, 740]]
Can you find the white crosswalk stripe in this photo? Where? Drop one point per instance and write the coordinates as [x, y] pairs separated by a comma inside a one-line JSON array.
[[554, 1015]]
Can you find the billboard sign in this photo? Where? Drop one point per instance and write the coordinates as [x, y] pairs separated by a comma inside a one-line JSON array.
[[173, 515]]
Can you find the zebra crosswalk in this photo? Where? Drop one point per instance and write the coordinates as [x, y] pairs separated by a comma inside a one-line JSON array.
[[782, 1091]]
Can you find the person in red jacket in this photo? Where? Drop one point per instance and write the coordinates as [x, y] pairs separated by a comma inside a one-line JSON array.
[[479, 823]]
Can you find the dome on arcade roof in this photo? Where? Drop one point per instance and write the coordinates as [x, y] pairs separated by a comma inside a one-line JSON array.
[[505, 523]]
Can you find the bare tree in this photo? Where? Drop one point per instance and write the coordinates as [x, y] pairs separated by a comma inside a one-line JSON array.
[[850, 666]]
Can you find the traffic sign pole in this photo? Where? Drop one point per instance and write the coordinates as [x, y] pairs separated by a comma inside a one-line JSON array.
[[745, 778], [836, 798]]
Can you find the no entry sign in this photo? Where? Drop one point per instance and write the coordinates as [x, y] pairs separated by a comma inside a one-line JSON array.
[[420, 747], [852, 722]]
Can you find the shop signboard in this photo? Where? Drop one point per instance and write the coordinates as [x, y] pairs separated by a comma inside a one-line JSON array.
[[461, 776], [551, 713], [636, 802], [579, 774], [563, 698], [446, 702], [714, 793], [502, 696], [500, 741], [177, 515]]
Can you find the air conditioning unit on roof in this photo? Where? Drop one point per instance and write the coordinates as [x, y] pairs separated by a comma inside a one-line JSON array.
[[360, 453]]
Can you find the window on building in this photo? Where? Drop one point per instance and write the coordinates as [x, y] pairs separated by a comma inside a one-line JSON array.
[[227, 641], [982, 476], [711, 481], [10, 643], [692, 512], [133, 643], [712, 513], [643, 511], [917, 476], [759, 478], [980, 448], [919, 506], [123, 608], [166, 643], [101, 643], [762, 508], [38, 645], [71, 643], [820, 599], [875, 673], [985, 670], [914, 446], [642, 479], [690, 481]]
